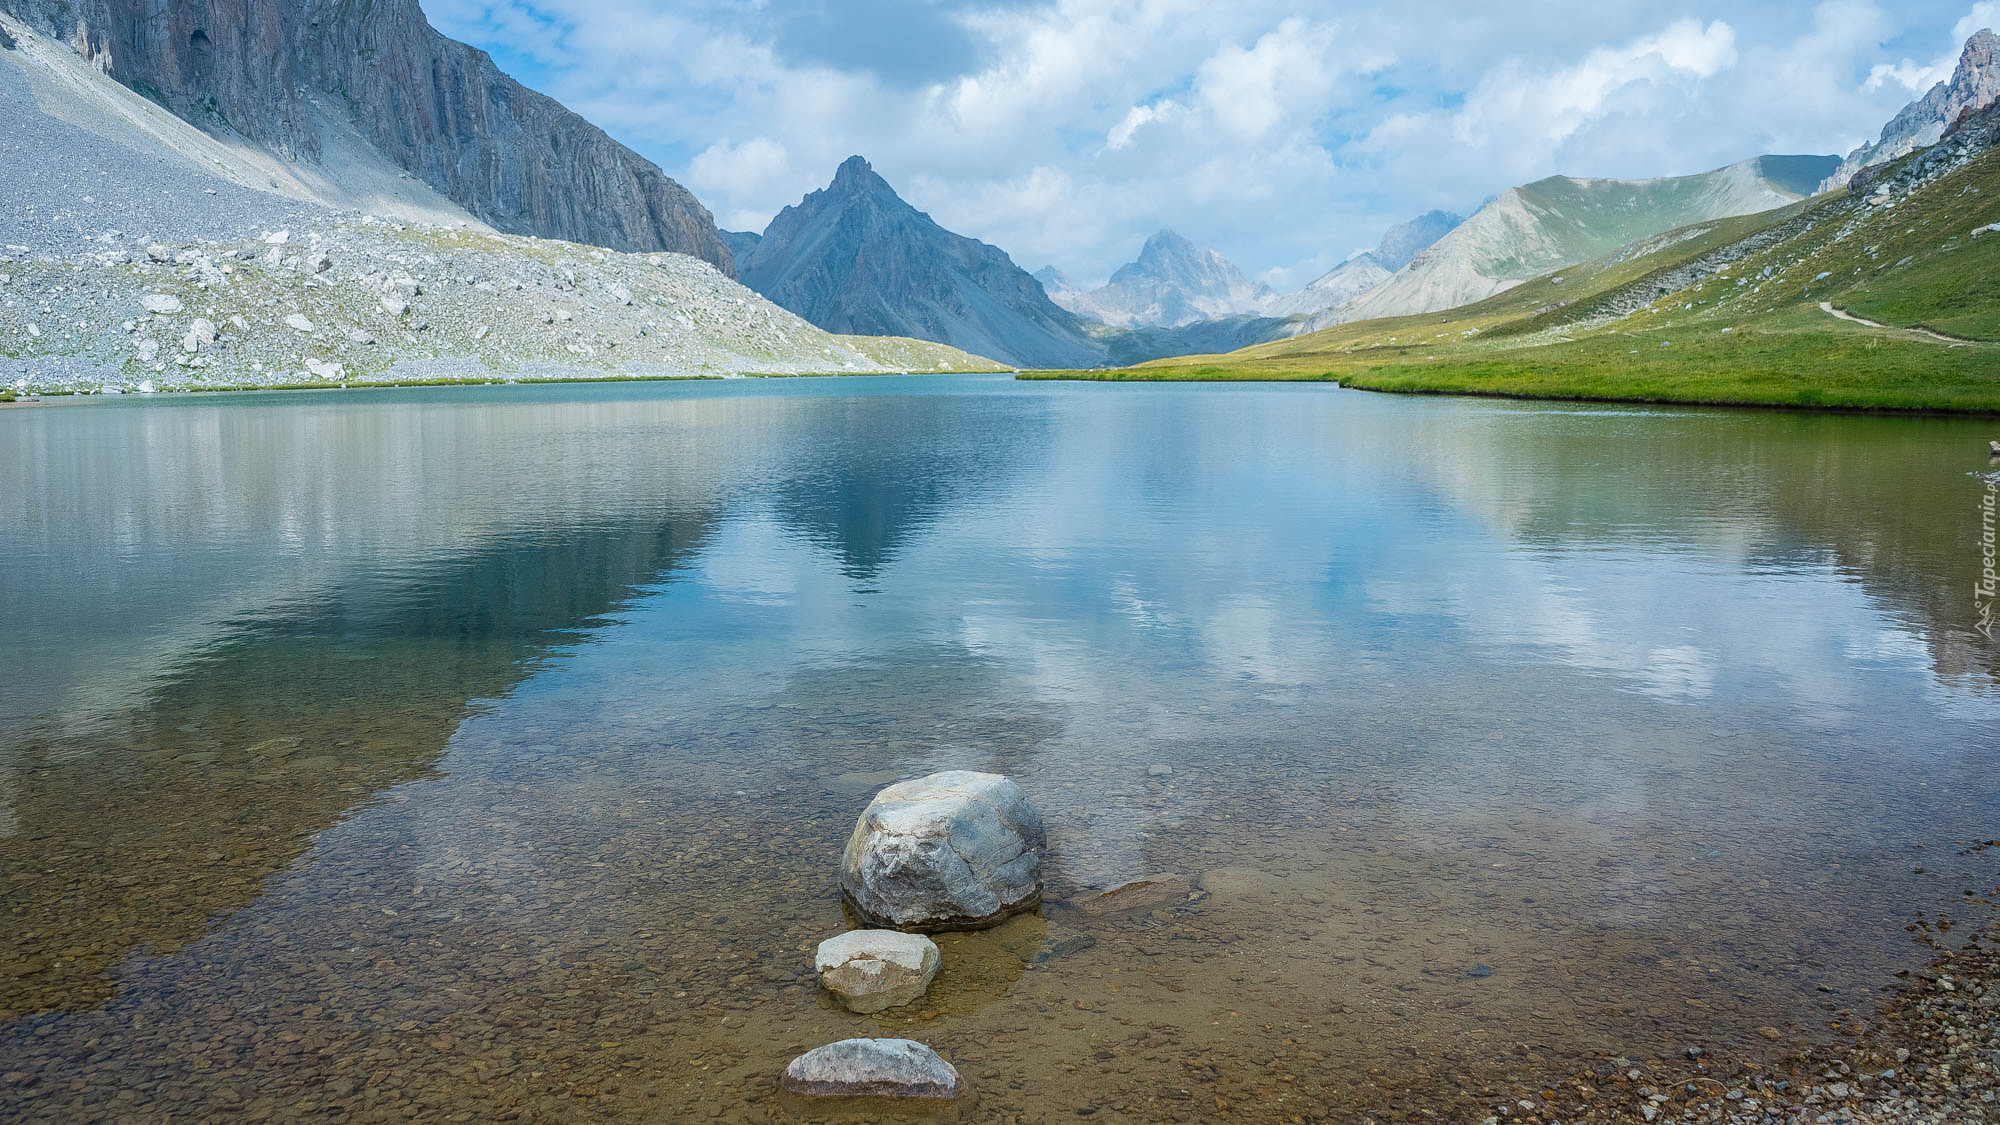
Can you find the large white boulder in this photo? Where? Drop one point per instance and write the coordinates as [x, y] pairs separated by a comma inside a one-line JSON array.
[[873, 1068], [870, 970], [952, 851]]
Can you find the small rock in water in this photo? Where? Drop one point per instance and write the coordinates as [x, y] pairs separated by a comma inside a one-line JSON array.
[[1140, 894], [952, 851], [873, 1068], [1159, 771], [1480, 971], [870, 970]]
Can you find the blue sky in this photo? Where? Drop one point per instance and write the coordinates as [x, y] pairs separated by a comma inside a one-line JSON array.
[[1285, 134]]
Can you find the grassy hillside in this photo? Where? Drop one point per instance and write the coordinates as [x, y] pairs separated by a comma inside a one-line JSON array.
[[1731, 312]]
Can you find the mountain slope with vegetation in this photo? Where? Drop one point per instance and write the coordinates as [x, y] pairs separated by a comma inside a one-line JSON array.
[[1561, 221], [1885, 297]]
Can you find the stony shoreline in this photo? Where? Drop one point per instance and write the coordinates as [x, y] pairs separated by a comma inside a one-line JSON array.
[[1930, 1056]]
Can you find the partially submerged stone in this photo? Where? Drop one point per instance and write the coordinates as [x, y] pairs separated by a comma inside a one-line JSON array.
[[1141, 894], [952, 851], [870, 970], [873, 1068]]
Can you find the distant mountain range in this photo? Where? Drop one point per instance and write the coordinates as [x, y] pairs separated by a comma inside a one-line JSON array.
[[1974, 85], [363, 107], [855, 258], [1172, 283], [1367, 271]]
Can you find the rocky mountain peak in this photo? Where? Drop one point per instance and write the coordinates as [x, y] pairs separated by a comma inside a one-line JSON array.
[[856, 258], [857, 177], [1973, 86]]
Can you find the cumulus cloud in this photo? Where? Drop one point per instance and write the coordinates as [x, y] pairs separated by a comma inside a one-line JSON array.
[[1278, 131]]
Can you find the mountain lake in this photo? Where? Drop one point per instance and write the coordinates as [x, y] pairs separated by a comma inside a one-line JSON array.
[[487, 753]]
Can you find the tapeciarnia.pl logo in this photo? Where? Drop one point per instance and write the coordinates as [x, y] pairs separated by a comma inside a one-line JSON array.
[[1988, 588]]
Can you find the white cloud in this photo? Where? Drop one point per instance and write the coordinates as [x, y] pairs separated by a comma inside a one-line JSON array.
[[1984, 16], [1275, 130], [1139, 117], [1522, 107]]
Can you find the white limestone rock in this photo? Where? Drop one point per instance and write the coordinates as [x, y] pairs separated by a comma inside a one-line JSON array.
[[873, 1068], [870, 970], [160, 304]]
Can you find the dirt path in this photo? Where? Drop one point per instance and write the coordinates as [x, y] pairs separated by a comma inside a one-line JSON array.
[[1841, 314]]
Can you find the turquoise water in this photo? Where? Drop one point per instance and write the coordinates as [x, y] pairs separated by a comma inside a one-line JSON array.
[[489, 750]]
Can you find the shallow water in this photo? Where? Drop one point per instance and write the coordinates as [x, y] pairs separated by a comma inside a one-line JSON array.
[[486, 754]]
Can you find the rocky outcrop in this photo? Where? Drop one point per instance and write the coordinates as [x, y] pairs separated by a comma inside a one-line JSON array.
[[871, 970], [279, 72], [1172, 283], [855, 258], [1973, 86], [873, 1068], [952, 851]]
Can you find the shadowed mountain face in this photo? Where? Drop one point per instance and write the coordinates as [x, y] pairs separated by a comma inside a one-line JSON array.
[[855, 258], [283, 73]]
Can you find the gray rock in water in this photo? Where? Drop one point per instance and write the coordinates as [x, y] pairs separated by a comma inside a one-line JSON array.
[[952, 851], [873, 1068], [870, 970]]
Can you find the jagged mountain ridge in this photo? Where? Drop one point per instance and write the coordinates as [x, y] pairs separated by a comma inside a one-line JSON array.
[[1973, 86], [855, 258], [1172, 284], [285, 74], [1530, 230]]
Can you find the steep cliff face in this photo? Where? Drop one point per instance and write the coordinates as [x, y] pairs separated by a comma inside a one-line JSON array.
[[1973, 86], [855, 258], [281, 72]]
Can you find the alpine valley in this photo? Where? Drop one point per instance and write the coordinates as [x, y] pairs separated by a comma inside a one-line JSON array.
[[381, 203]]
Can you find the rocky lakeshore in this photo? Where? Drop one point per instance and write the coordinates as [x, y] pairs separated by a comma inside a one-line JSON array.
[[1931, 1056], [370, 300]]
